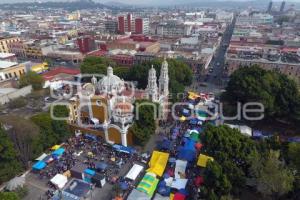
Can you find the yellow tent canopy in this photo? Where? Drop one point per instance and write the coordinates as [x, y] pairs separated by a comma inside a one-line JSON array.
[[182, 118], [55, 147], [171, 196], [158, 162], [203, 159], [193, 95]]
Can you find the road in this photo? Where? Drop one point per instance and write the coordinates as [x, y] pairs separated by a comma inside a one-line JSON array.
[[216, 80]]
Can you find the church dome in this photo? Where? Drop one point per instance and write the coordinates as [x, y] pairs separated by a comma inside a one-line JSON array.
[[111, 84]]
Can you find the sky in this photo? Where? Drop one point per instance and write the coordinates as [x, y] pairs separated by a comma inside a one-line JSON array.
[[142, 2]]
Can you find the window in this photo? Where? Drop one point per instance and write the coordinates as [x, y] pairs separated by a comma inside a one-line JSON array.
[[20, 72], [6, 76], [98, 103], [10, 76], [15, 74]]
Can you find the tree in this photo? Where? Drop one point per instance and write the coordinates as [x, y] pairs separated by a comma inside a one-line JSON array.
[[9, 164], [32, 78], [51, 131], [279, 94], [9, 196], [293, 155], [17, 103], [272, 177], [144, 126], [179, 73], [231, 148], [61, 111], [23, 134], [215, 180], [95, 65]]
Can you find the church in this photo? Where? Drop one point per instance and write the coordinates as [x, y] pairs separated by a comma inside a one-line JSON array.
[[107, 105]]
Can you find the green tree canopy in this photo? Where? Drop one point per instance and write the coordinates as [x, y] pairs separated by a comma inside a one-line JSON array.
[[23, 133], [9, 196], [9, 164], [179, 73], [144, 125], [230, 148], [272, 177], [215, 180], [96, 65], [32, 78], [279, 94]]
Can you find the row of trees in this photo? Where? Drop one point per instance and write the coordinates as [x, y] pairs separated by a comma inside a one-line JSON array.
[[179, 73], [279, 94], [22, 139], [32, 78], [268, 166]]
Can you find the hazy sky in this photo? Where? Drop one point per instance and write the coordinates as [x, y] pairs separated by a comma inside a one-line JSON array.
[[153, 2]]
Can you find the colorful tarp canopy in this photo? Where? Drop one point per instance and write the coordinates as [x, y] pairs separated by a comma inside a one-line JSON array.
[[148, 184], [195, 136], [41, 157], [39, 165], [137, 195], [89, 172], [59, 180], [101, 165], [123, 149], [182, 118], [180, 168], [187, 152], [134, 172], [158, 162], [55, 147], [203, 159], [58, 152]]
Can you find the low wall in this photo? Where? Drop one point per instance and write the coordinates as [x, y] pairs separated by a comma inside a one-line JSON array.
[[5, 98]]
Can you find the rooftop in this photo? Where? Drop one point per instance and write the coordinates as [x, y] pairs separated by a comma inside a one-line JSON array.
[[7, 64], [60, 70], [6, 55]]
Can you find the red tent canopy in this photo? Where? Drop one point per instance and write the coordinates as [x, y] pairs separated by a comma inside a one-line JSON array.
[[198, 181], [179, 196]]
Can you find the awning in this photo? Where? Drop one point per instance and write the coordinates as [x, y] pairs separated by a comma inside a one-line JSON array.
[[59, 180], [134, 172], [58, 152], [179, 183], [101, 165], [203, 159], [123, 149], [39, 165], [137, 195], [158, 162], [55, 147], [41, 157], [180, 168], [89, 172]]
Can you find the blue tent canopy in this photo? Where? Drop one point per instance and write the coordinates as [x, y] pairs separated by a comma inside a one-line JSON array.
[[194, 121], [187, 152], [58, 152], [39, 165], [123, 149], [123, 185], [185, 112], [165, 144], [89, 172], [101, 165], [90, 137]]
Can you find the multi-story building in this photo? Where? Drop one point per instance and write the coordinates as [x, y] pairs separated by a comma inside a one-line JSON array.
[[10, 70], [4, 43], [131, 24], [111, 26], [86, 44], [141, 26]]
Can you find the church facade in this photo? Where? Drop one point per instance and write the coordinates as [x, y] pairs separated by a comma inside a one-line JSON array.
[[109, 103]]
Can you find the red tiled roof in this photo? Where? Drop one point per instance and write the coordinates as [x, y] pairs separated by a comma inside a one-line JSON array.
[[60, 70], [138, 94]]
